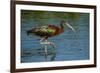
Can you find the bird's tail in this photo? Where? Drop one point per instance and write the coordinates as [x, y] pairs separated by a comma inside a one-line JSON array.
[[28, 32]]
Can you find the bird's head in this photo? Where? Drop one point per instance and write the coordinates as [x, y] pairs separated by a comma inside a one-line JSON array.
[[67, 24]]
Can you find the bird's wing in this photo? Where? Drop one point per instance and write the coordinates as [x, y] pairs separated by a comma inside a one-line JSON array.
[[43, 29], [51, 30], [48, 30]]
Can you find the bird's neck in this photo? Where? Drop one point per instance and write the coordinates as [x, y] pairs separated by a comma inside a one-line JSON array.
[[62, 25]]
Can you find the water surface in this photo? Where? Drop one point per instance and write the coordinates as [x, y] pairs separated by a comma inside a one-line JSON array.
[[69, 45]]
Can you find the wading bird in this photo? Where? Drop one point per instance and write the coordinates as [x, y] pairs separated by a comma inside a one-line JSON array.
[[48, 31]]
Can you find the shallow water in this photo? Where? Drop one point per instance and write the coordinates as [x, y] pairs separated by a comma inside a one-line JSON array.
[[69, 45]]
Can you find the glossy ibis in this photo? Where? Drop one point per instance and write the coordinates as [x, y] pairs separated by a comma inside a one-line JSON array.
[[48, 31]]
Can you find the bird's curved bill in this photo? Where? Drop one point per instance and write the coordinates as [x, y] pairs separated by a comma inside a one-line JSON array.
[[70, 27]]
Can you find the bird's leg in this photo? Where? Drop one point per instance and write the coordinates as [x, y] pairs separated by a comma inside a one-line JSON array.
[[42, 40], [45, 42], [52, 44], [46, 52], [54, 51]]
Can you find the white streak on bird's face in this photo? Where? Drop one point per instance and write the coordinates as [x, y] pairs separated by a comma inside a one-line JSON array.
[[70, 27]]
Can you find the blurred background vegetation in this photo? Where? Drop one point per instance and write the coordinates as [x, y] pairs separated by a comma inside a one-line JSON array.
[[44, 17]]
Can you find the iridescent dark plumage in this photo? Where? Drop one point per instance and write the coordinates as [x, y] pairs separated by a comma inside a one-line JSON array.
[[48, 31]]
